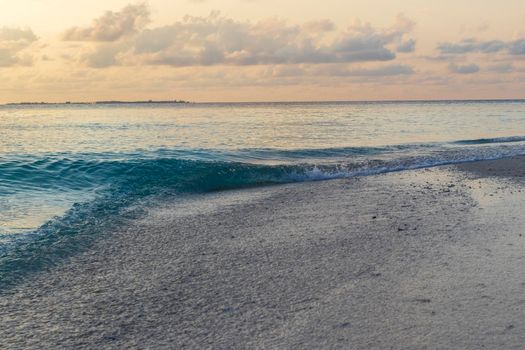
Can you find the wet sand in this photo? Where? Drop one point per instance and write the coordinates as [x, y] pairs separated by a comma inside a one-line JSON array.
[[431, 258]]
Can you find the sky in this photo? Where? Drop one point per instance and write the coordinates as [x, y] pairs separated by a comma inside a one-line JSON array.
[[261, 50]]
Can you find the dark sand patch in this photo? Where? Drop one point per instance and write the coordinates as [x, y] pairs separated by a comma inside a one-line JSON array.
[[511, 168]]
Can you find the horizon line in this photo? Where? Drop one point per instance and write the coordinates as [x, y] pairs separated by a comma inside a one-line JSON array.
[[184, 102]]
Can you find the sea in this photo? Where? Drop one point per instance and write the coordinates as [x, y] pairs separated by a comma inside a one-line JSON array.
[[71, 173]]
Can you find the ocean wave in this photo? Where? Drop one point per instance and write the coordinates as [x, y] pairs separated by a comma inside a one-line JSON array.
[[120, 185], [483, 141]]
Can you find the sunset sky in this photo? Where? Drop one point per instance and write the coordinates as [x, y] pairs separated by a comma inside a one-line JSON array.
[[261, 50]]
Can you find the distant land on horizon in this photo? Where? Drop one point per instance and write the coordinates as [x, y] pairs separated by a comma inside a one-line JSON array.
[[95, 102], [118, 102]]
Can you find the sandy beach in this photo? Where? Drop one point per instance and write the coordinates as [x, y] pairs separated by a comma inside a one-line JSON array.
[[431, 258]]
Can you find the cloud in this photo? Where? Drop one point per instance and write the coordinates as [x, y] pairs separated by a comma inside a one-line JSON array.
[[407, 46], [463, 69], [392, 70], [320, 26], [218, 40], [383, 71], [471, 45], [112, 26], [516, 47], [339, 71], [17, 36], [501, 68], [103, 56], [13, 42]]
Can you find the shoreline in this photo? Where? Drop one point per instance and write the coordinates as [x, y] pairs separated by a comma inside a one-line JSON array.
[[412, 259]]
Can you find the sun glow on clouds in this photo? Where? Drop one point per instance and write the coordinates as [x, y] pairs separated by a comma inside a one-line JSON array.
[[217, 40], [13, 45], [125, 54]]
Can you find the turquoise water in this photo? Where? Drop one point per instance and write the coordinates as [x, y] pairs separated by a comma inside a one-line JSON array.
[[68, 173]]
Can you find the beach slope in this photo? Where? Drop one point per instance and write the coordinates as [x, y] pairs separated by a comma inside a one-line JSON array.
[[430, 258]]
